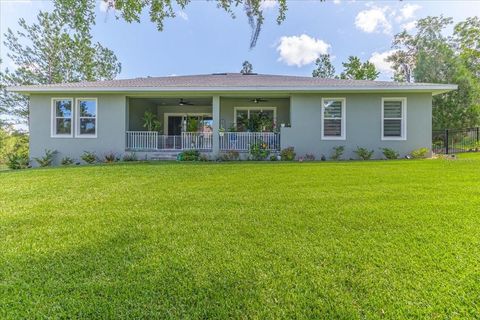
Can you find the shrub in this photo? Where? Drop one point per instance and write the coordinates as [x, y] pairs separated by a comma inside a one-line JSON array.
[[273, 157], [309, 157], [203, 157], [419, 153], [12, 142], [47, 159], [337, 152], [18, 160], [89, 157], [189, 155], [364, 153], [110, 157], [66, 161], [390, 154], [130, 156], [288, 154], [258, 151], [229, 156]]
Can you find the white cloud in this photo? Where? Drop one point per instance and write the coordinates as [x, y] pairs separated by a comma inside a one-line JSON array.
[[380, 62], [301, 50], [409, 26], [268, 4], [183, 15], [408, 12], [373, 20], [336, 1]]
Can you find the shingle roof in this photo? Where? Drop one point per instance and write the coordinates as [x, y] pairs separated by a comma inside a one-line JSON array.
[[232, 81]]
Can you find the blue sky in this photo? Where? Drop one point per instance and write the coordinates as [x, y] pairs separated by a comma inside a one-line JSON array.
[[204, 39]]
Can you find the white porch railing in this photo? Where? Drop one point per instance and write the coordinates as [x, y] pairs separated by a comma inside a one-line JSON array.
[[142, 140], [152, 141], [241, 141], [197, 140]]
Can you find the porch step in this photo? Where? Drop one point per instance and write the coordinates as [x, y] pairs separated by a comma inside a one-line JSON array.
[[172, 156]]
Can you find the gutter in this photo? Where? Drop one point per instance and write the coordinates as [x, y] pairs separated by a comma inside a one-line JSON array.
[[435, 89]]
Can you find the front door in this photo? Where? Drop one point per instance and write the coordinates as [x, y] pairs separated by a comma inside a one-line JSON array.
[[175, 125]]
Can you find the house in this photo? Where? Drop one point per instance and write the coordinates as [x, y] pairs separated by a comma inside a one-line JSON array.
[[216, 113]]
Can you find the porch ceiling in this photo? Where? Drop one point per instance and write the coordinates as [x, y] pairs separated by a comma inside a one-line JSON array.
[[175, 101]]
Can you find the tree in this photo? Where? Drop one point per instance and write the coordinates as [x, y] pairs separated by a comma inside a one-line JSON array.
[[354, 69], [324, 67], [159, 10], [246, 67], [431, 56], [49, 51], [466, 38]]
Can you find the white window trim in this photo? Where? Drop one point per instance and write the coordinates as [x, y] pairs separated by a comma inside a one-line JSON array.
[[235, 109], [343, 135], [53, 119], [77, 118], [403, 127]]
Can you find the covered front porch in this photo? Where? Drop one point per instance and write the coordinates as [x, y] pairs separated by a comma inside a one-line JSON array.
[[207, 124]]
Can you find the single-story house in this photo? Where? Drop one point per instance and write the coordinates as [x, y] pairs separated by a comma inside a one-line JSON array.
[[220, 112]]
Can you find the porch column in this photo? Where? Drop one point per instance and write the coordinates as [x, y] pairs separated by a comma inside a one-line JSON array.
[[216, 125]]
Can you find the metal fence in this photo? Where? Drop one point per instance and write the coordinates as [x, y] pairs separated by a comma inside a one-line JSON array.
[[456, 140]]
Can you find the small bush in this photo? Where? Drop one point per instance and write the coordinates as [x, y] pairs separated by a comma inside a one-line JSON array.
[[337, 153], [309, 157], [273, 157], [203, 157], [89, 157], [47, 159], [229, 156], [390, 154], [364, 153], [130, 156], [258, 151], [419, 153], [288, 154], [17, 160], [110, 157], [67, 161], [189, 155]]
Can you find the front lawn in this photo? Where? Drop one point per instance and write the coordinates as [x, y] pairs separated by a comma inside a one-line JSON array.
[[347, 240]]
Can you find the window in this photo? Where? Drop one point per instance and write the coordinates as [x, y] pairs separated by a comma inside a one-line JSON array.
[[333, 118], [86, 124], [255, 119], [62, 115], [394, 124]]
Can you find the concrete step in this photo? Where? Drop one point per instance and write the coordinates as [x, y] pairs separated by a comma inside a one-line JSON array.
[[172, 156]]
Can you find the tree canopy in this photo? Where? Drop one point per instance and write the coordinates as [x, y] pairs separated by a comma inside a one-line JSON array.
[[324, 67], [429, 55], [354, 69], [52, 50], [247, 67], [159, 10]]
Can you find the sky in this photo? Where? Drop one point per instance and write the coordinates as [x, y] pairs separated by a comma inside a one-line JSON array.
[[204, 39]]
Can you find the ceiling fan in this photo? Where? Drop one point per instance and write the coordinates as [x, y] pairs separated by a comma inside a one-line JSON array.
[[184, 103], [258, 100]]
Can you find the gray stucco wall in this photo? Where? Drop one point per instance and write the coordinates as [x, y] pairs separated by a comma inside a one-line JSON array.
[[111, 124], [363, 124], [303, 111]]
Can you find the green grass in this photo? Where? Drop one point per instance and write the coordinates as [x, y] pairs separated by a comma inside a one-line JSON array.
[[346, 240]]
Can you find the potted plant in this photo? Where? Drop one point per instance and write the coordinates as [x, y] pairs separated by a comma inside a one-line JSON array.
[[221, 131]]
